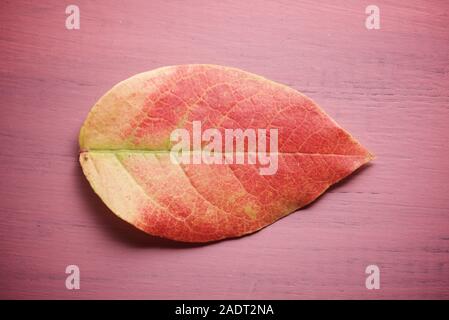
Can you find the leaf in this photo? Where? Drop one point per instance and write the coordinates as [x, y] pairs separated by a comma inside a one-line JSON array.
[[125, 152]]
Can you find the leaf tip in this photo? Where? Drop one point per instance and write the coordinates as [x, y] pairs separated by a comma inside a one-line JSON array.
[[370, 156]]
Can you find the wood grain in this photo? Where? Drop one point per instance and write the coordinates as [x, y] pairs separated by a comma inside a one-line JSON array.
[[388, 87]]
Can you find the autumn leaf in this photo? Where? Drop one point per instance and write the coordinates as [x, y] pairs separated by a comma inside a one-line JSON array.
[[126, 143]]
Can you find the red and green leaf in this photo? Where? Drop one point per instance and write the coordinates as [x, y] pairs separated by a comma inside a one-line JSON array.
[[125, 145]]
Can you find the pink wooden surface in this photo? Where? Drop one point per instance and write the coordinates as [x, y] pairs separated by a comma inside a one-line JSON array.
[[389, 87]]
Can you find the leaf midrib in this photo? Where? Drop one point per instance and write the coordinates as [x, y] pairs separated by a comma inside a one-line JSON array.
[[199, 151]]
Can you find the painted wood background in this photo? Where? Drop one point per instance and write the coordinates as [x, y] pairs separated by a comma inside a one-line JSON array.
[[388, 87]]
